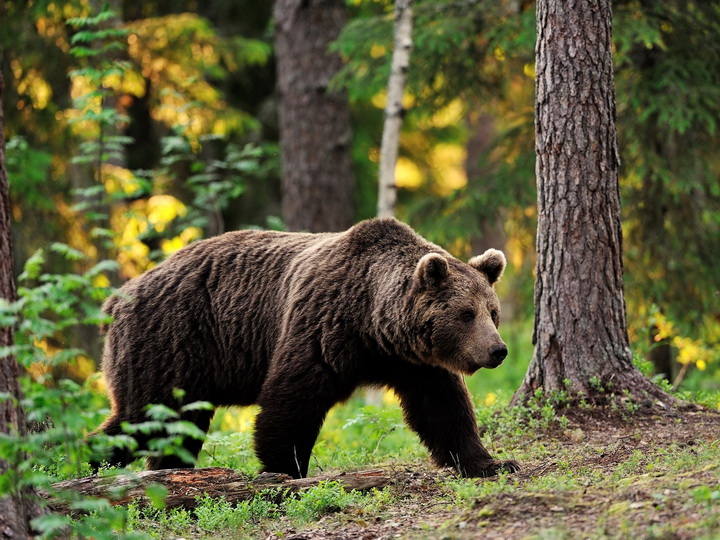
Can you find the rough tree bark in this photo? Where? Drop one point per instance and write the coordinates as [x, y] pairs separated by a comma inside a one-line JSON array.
[[387, 190], [315, 134], [580, 332], [17, 509]]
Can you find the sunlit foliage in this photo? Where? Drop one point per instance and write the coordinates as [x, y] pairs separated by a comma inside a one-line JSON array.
[[190, 107]]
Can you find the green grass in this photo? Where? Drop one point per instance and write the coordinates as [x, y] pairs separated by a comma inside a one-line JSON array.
[[667, 493], [673, 480], [569, 477], [217, 518]]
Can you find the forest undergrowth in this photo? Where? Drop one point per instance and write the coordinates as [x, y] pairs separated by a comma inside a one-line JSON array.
[[588, 472]]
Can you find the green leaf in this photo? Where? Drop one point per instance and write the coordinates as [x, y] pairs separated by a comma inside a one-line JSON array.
[[68, 252], [160, 412], [51, 524], [142, 427], [198, 406], [185, 428], [91, 505], [102, 266], [157, 494], [33, 266]]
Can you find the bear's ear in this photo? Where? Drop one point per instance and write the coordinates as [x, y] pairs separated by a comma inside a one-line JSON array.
[[432, 269], [492, 263]]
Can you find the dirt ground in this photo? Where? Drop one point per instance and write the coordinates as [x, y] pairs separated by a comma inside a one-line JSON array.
[[593, 446]]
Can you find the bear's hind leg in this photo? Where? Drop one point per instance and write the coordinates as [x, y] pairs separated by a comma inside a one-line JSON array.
[[284, 439], [294, 404]]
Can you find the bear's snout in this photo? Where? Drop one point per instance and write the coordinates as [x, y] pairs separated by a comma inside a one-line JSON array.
[[497, 354]]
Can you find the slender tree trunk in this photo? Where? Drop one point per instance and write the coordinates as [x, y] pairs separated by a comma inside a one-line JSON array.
[[17, 509], [390, 143], [318, 184], [580, 335], [387, 190]]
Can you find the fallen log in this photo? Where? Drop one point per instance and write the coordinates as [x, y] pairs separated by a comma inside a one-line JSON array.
[[185, 485]]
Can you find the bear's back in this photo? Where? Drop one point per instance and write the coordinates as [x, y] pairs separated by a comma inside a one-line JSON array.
[[220, 306]]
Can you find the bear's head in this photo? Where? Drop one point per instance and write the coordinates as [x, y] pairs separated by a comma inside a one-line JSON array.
[[458, 312]]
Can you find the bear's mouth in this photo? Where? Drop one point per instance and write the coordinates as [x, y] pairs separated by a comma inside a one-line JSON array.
[[470, 366], [467, 366], [492, 363]]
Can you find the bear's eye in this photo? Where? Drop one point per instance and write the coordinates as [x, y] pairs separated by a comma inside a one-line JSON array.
[[467, 316], [495, 316]]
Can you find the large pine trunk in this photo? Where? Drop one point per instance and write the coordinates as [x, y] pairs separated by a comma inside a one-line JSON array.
[[318, 180], [580, 333], [18, 509]]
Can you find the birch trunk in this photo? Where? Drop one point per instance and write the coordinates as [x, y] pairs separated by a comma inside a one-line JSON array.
[[387, 189]]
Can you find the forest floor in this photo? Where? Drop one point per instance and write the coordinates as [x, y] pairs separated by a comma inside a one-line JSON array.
[[603, 475]]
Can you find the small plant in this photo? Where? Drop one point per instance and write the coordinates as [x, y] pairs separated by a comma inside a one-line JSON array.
[[631, 407], [326, 498], [633, 464], [216, 184], [597, 384], [99, 47], [229, 449], [467, 491], [214, 514], [62, 410], [380, 500], [152, 522], [262, 505], [381, 422], [168, 430]]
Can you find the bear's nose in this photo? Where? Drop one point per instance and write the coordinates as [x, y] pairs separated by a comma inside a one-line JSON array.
[[498, 353]]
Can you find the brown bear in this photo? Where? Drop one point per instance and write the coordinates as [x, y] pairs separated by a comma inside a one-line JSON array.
[[295, 322]]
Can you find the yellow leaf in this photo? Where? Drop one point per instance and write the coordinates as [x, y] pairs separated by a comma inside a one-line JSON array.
[[377, 51], [407, 174], [101, 280]]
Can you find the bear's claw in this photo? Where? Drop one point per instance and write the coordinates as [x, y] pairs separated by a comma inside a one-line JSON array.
[[492, 468]]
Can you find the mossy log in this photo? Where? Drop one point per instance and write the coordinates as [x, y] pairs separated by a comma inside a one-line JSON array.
[[185, 485]]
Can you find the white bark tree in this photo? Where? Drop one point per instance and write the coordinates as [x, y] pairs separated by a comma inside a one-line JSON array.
[[387, 189]]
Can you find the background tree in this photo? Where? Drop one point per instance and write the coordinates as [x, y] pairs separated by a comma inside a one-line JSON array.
[[315, 132], [668, 74], [199, 87], [18, 509], [402, 47], [580, 333]]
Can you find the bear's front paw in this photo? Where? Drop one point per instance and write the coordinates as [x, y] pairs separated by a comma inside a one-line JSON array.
[[491, 467]]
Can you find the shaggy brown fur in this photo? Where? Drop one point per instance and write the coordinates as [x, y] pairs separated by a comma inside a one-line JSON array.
[[295, 322]]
